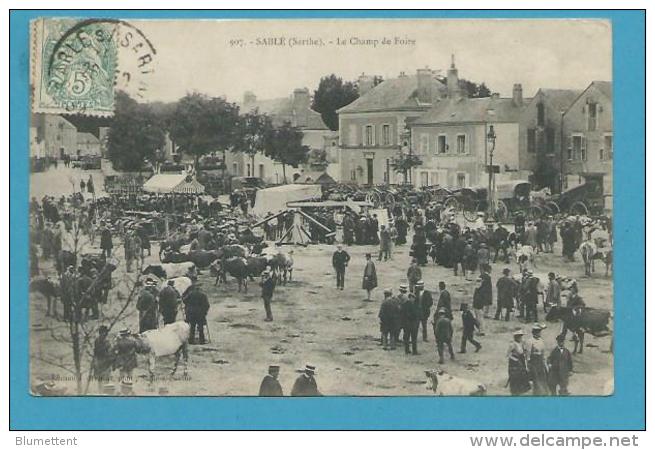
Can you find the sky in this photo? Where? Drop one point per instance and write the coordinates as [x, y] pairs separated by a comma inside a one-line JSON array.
[[222, 58]]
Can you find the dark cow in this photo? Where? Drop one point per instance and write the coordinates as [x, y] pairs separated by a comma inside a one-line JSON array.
[[64, 260], [50, 290], [256, 265], [237, 267], [589, 320], [231, 251], [202, 258]]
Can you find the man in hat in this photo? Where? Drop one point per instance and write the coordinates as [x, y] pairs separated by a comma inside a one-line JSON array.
[[385, 243], [169, 302], [444, 300], [506, 289], [370, 278], [125, 350], [413, 274], [443, 333], [103, 357], [196, 307], [270, 386], [560, 366], [409, 319], [553, 291], [88, 294], [147, 307], [106, 243], [425, 302], [340, 260], [469, 324], [389, 316], [305, 385], [532, 292], [483, 258], [268, 286]]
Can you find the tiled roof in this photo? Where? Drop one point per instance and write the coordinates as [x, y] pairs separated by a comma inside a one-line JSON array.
[[392, 94], [488, 109], [281, 110], [560, 99]]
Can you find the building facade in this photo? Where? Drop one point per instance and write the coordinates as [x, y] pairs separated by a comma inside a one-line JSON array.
[[373, 128], [589, 148], [56, 136]]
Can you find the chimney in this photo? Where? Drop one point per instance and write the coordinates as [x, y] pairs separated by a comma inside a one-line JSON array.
[[517, 94], [452, 82], [424, 85], [364, 83], [300, 99], [249, 98]]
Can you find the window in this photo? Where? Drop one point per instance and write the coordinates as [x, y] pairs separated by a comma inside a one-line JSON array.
[[578, 148], [532, 140], [424, 144], [248, 170], [609, 146], [461, 180], [353, 175], [442, 144], [368, 136], [541, 115], [261, 171], [592, 116], [461, 144], [386, 135], [235, 169], [550, 141]]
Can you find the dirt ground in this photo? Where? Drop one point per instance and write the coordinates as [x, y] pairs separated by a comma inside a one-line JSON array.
[[335, 330]]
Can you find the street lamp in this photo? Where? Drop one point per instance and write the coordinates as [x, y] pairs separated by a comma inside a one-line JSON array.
[[491, 139]]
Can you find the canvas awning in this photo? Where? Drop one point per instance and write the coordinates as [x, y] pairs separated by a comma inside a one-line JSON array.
[[177, 183], [275, 199]]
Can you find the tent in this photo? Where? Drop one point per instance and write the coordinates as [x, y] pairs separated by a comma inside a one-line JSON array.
[[275, 199], [173, 183]]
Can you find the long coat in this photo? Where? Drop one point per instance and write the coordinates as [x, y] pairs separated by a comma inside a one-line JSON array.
[[270, 387], [561, 365], [147, 306], [305, 386], [506, 288], [370, 279]]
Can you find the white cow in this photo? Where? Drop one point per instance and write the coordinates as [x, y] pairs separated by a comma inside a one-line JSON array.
[[444, 384], [181, 284], [172, 339]]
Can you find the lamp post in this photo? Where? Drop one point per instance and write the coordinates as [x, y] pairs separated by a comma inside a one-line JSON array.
[[491, 139]]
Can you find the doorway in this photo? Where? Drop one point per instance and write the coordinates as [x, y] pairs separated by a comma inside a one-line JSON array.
[[369, 171]]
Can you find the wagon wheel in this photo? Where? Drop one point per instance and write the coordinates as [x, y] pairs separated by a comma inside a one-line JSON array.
[[502, 211], [579, 209], [471, 211], [535, 212], [373, 197], [390, 200], [452, 202], [552, 208]]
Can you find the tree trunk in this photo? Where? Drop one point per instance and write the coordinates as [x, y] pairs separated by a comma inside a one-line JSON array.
[[77, 357], [284, 173]]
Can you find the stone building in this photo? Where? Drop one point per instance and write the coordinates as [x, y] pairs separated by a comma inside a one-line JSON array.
[[373, 128], [55, 135]]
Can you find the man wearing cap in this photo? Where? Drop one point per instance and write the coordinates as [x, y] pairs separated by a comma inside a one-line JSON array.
[[560, 366], [305, 385], [506, 289], [469, 324], [413, 274], [125, 350], [443, 333], [409, 320], [444, 301], [147, 307], [425, 302], [389, 316], [340, 260], [268, 286], [169, 301], [103, 357], [196, 307], [270, 386]]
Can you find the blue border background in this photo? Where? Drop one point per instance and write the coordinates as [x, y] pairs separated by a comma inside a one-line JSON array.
[[624, 410]]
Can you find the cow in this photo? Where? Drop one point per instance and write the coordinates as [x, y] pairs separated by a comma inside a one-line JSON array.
[[65, 259], [48, 289], [281, 264], [173, 270], [202, 258], [181, 284], [589, 320], [592, 251], [525, 257], [172, 339], [444, 384], [232, 250], [236, 266]]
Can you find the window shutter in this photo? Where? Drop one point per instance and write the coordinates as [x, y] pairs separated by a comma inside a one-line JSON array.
[[583, 148]]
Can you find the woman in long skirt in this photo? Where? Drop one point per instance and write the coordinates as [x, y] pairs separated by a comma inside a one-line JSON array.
[[370, 279], [519, 380], [537, 362]]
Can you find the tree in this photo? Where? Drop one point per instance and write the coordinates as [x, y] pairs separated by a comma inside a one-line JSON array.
[[474, 90], [135, 134], [250, 135], [332, 94], [284, 145], [202, 125], [404, 163]]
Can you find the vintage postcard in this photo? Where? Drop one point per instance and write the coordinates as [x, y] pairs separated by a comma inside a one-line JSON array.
[[321, 207]]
